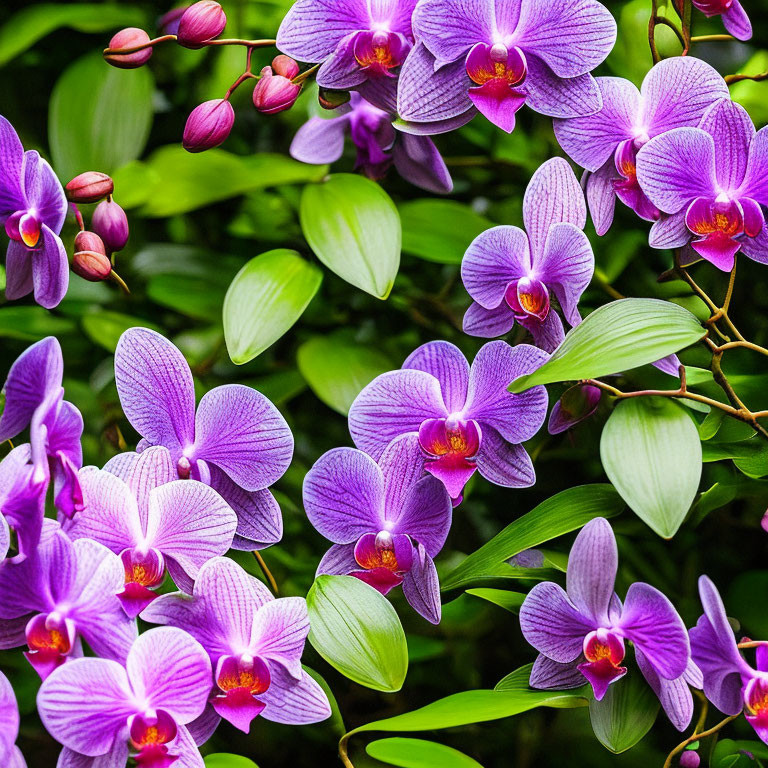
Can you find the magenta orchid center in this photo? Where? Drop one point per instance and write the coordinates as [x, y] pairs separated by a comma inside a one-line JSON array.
[[713, 7], [385, 558], [528, 297], [149, 734], [604, 652], [450, 446], [379, 51], [240, 680], [51, 638], [24, 227], [626, 187], [496, 66], [756, 702], [144, 570]]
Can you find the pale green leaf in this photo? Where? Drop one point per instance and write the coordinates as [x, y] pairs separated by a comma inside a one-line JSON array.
[[225, 760], [32, 323], [418, 753], [105, 328], [504, 598]]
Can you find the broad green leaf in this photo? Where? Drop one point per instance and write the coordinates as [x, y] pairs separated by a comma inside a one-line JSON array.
[[225, 760], [651, 452], [31, 24], [440, 230], [337, 368], [736, 754], [174, 181], [335, 722], [504, 598], [189, 295], [750, 456], [418, 753], [565, 512], [99, 117], [617, 337], [356, 630], [478, 706], [32, 323], [625, 714], [106, 328], [267, 296], [353, 227]]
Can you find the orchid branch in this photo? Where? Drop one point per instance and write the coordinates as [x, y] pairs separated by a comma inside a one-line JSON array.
[[683, 744], [267, 573], [343, 742]]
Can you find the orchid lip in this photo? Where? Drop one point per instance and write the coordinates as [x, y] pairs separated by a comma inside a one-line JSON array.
[[378, 51]]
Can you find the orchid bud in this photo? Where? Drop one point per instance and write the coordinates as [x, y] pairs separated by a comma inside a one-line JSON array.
[[329, 99], [168, 23], [201, 22], [274, 93], [208, 125], [110, 223], [576, 404], [690, 759], [89, 187], [129, 38], [89, 241], [285, 66], [91, 265]]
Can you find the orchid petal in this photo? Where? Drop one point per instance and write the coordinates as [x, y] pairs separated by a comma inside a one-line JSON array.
[[292, 702], [488, 323], [279, 632], [503, 463], [422, 588]]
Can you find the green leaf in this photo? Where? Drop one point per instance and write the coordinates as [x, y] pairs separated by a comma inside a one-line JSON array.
[[418, 753], [504, 598], [353, 227], [356, 630], [31, 24], [337, 368], [440, 230], [565, 512], [267, 296], [750, 456], [189, 295], [32, 323], [105, 328], [617, 337], [651, 452], [625, 714], [174, 181], [224, 760], [99, 117], [729, 753], [478, 706]]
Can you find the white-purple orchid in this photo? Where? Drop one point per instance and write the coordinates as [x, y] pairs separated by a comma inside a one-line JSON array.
[[62, 593], [32, 208], [493, 57], [254, 642], [674, 94], [104, 713], [580, 632], [10, 755], [712, 181], [235, 440], [512, 274], [387, 521], [465, 418], [138, 508]]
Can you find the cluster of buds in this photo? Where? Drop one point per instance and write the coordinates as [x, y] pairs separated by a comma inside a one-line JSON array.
[[95, 248], [197, 26]]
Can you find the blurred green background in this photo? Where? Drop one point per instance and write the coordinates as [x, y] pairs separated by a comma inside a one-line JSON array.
[[195, 220]]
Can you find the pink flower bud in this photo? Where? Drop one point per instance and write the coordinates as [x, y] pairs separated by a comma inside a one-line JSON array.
[[285, 66], [89, 241], [91, 265], [168, 23], [89, 187], [201, 22], [129, 38], [110, 223], [274, 93], [208, 125]]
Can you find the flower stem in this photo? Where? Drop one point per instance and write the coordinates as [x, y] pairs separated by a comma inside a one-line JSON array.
[[265, 570], [712, 38], [237, 41], [343, 741], [137, 48], [307, 73], [683, 744], [731, 79], [652, 31], [119, 280]]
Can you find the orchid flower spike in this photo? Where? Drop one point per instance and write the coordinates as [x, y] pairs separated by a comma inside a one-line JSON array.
[[387, 521], [103, 712], [580, 632], [33, 207], [140, 510], [236, 441], [712, 181], [512, 276], [675, 93], [493, 58], [62, 593], [465, 418], [254, 642]]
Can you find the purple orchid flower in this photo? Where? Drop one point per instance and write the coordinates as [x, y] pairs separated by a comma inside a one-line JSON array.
[[104, 712], [494, 57], [61, 593], [735, 19], [236, 441], [361, 44], [387, 521], [580, 632], [511, 275], [33, 207], [674, 94], [138, 509], [379, 145], [730, 683], [255, 643], [465, 418], [34, 398], [711, 180], [10, 755]]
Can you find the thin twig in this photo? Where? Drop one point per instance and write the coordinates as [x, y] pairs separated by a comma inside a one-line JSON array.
[[307, 73], [731, 79], [137, 48], [652, 32], [712, 38], [682, 745], [343, 742], [265, 570]]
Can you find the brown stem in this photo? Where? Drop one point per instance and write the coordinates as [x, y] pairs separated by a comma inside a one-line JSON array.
[[240, 80], [686, 19], [137, 48], [683, 744], [652, 32], [237, 41], [752, 643], [343, 742], [703, 713], [731, 79], [673, 27], [741, 345], [722, 381], [265, 570]]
